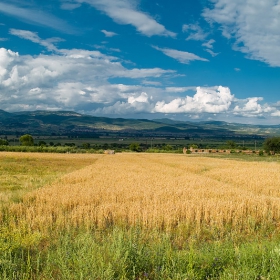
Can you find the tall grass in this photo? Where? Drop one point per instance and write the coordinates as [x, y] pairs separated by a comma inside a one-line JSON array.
[[138, 254]]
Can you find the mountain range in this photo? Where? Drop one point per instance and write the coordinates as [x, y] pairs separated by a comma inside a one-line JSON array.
[[72, 123]]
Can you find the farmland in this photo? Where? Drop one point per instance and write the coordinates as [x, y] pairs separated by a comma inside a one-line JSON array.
[[139, 216]]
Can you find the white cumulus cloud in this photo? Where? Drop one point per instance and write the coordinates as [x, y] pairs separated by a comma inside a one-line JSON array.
[[206, 100], [67, 79], [143, 98], [251, 107], [275, 114]]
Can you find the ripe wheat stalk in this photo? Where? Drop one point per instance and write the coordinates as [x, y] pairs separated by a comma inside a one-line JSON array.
[[158, 191]]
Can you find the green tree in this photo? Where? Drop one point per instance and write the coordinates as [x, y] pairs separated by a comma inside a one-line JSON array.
[[26, 140], [231, 144], [194, 146], [135, 147], [86, 145], [272, 145], [167, 147], [42, 143], [69, 144], [4, 142]]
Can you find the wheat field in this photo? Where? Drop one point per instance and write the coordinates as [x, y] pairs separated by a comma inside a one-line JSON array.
[[23, 172], [162, 191]]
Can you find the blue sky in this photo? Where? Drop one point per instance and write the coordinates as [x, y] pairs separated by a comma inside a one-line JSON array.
[[185, 60]]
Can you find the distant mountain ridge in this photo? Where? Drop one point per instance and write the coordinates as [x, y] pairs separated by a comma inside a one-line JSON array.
[[68, 122], [4, 114]]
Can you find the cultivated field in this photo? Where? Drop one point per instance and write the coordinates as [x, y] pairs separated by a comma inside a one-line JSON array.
[[20, 172], [141, 216], [159, 191]]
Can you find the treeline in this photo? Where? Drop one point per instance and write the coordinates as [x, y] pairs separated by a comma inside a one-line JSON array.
[[84, 148], [41, 149], [27, 144]]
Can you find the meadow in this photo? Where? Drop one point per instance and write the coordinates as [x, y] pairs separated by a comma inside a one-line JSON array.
[[138, 216]]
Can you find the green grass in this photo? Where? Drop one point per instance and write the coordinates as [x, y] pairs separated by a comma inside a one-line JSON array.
[[242, 157], [139, 254]]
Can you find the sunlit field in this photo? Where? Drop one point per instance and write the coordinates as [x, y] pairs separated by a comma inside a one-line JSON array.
[[159, 191], [20, 173], [138, 216]]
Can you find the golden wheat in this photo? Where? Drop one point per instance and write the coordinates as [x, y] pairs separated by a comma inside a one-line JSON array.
[[158, 191], [23, 172]]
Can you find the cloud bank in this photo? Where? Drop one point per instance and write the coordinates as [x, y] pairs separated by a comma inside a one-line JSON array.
[[80, 80], [69, 79]]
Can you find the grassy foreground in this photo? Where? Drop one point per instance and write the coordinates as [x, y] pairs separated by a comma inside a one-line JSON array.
[[138, 216]]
